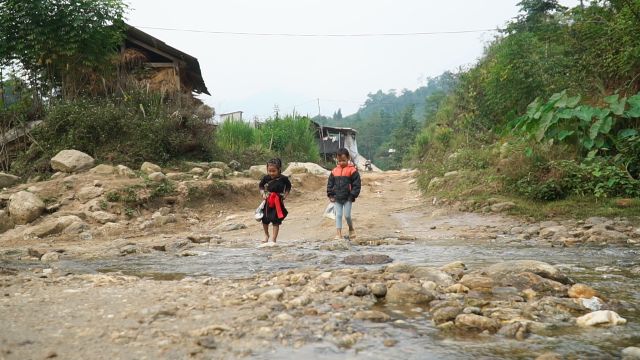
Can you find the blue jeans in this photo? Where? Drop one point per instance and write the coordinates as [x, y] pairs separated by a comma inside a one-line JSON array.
[[343, 209]]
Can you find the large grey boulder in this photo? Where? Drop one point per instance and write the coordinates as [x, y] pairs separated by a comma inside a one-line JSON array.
[[24, 207], [71, 161], [8, 180]]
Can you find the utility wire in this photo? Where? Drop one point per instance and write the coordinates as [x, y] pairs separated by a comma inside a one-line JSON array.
[[240, 33]]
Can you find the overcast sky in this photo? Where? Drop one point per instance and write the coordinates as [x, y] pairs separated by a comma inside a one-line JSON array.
[[255, 73]]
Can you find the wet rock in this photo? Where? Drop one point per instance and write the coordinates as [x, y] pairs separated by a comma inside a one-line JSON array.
[[515, 330], [550, 356], [302, 300], [439, 277], [128, 249], [455, 269], [360, 290], [457, 289], [631, 353], [338, 284], [8, 180], [207, 342], [71, 161], [475, 281], [372, 315], [367, 259], [582, 291], [445, 314], [408, 293], [553, 231], [337, 245], [593, 304], [477, 322], [150, 168], [536, 267], [378, 289], [601, 318], [271, 294], [472, 310], [24, 207], [399, 268], [389, 342], [284, 317], [51, 256]]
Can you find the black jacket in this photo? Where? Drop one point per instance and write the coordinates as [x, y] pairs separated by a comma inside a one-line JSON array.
[[344, 183]]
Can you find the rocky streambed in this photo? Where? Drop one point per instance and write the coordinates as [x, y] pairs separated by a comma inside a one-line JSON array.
[[304, 301]]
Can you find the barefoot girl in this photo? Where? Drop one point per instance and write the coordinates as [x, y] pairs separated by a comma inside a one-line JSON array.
[[343, 188], [274, 188]]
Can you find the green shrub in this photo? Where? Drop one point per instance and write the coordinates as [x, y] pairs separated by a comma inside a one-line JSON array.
[[138, 126]]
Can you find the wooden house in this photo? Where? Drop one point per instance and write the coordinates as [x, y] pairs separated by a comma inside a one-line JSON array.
[[167, 68]]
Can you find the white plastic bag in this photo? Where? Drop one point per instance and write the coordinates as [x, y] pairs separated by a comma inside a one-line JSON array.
[[330, 211], [259, 211]]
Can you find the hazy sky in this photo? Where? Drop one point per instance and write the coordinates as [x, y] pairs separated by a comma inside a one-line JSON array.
[[254, 73]]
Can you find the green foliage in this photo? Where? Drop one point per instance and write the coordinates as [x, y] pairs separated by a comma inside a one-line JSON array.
[[606, 129], [60, 42], [292, 138], [561, 179], [139, 126]]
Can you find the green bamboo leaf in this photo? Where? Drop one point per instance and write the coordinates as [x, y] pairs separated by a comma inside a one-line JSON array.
[[572, 102], [606, 125], [564, 134], [626, 133], [595, 129], [587, 143]]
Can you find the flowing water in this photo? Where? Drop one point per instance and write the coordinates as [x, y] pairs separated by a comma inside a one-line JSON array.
[[605, 269]]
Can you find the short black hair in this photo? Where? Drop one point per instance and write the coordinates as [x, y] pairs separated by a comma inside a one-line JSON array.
[[343, 151], [275, 162]]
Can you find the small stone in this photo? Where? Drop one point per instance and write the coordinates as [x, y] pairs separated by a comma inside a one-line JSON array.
[[207, 342], [272, 294], [284, 317], [150, 168], [199, 238], [390, 342], [457, 288], [549, 356], [372, 315], [601, 318], [477, 322], [51, 256], [378, 289], [367, 259], [157, 177], [361, 290], [581, 291], [631, 353]]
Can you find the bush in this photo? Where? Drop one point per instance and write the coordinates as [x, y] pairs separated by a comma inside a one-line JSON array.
[[140, 126]]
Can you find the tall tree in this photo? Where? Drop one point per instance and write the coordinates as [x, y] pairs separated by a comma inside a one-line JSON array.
[[60, 43]]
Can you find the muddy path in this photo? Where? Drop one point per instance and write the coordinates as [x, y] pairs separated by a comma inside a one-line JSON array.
[[199, 288]]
